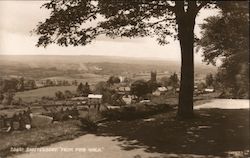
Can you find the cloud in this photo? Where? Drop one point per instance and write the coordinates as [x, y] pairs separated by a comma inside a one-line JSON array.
[[21, 16], [18, 18]]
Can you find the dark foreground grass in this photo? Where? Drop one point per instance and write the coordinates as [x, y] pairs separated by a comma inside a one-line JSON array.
[[213, 132], [37, 137]]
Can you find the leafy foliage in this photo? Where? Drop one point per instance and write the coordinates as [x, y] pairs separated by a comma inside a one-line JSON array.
[[113, 79], [78, 22], [140, 88], [209, 80], [226, 37], [83, 90], [174, 80], [8, 97], [104, 89], [59, 95]]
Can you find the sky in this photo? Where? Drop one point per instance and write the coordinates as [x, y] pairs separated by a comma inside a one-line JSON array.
[[19, 18]]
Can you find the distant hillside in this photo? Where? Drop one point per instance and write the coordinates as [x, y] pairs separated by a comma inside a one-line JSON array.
[[51, 59], [49, 65]]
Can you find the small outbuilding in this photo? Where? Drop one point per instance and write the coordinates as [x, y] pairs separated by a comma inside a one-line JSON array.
[[95, 99], [160, 91]]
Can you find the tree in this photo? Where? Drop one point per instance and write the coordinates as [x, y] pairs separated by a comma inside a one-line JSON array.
[[48, 82], [9, 85], [83, 90], [139, 88], [86, 89], [79, 88], [164, 81], [67, 94], [30, 84], [174, 81], [20, 85], [209, 80], [113, 79], [104, 89], [8, 97], [123, 18], [152, 85], [230, 44], [201, 86], [59, 95], [75, 83]]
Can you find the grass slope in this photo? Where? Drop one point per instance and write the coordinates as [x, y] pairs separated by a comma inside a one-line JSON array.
[[36, 94]]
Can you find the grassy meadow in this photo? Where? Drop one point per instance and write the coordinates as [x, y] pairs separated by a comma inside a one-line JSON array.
[[37, 94]]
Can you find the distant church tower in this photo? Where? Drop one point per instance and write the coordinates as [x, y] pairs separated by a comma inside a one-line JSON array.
[[153, 76]]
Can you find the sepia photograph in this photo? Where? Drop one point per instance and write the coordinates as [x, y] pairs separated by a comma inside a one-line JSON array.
[[124, 79]]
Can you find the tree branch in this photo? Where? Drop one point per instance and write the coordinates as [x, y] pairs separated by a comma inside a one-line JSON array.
[[157, 22], [203, 3]]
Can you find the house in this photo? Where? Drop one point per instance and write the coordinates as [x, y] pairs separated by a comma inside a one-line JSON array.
[[123, 90], [95, 99], [160, 91], [177, 90], [121, 79], [127, 99], [209, 90]]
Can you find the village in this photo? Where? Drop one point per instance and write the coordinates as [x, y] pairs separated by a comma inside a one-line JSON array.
[[88, 102]]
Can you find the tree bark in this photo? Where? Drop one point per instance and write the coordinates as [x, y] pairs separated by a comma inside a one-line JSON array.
[[186, 22]]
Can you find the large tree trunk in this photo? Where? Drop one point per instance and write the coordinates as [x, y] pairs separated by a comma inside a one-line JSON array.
[[186, 24]]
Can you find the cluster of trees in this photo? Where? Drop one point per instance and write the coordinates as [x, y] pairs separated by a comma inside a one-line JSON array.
[[106, 90], [141, 88], [8, 87], [60, 95], [49, 82], [113, 79], [172, 81], [226, 37], [83, 89], [7, 97], [15, 84]]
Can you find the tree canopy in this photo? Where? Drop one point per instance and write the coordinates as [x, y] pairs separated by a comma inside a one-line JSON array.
[[140, 88], [226, 37], [71, 21]]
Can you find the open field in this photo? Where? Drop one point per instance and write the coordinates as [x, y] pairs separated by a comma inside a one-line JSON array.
[[37, 94]]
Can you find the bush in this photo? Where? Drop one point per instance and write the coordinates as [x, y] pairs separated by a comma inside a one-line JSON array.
[[88, 124]]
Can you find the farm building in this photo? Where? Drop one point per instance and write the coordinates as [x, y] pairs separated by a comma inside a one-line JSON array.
[[160, 91], [94, 99], [124, 90], [209, 90]]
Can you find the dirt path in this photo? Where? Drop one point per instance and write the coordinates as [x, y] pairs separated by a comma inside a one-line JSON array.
[[87, 146], [225, 104]]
